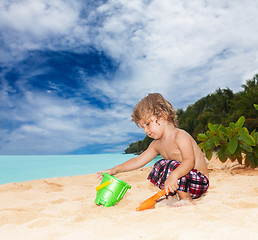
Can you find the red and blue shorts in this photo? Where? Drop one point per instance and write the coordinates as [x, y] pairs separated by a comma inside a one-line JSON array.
[[193, 182]]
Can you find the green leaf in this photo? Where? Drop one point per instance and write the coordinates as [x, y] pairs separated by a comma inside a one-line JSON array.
[[216, 141], [232, 145], [254, 134], [240, 122], [201, 145], [238, 150], [232, 158], [246, 147], [209, 154], [247, 164], [211, 127], [252, 159], [256, 106], [222, 155], [202, 137], [227, 151], [255, 150], [209, 144], [209, 134], [223, 131], [246, 138], [238, 155], [232, 125]]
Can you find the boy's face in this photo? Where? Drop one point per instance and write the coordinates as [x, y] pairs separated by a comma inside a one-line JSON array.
[[153, 127]]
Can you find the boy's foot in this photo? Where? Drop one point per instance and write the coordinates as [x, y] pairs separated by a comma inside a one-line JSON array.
[[169, 200], [174, 201], [183, 203]]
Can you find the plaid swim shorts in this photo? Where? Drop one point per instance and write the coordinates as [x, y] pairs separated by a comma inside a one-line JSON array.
[[193, 182]]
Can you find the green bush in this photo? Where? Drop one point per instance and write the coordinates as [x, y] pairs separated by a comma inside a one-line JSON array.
[[139, 146], [233, 142]]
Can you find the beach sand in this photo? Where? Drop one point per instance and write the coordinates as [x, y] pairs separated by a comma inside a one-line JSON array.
[[64, 208]]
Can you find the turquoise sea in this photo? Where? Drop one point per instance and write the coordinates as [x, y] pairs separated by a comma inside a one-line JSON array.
[[31, 167]]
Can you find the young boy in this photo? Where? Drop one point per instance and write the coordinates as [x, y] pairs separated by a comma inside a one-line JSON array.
[[183, 169]]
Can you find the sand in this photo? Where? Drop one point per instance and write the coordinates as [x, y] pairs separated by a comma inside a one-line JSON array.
[[64, 208]]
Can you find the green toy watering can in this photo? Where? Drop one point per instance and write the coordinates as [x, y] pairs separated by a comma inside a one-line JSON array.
[[111, 190]]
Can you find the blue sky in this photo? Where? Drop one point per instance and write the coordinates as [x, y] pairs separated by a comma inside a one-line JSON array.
[[72, 71]]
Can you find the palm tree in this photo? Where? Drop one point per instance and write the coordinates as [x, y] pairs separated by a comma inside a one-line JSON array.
[[243, 104]]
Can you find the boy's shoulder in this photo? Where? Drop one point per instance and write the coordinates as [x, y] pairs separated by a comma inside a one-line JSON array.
[[175, 135], [181, 134]]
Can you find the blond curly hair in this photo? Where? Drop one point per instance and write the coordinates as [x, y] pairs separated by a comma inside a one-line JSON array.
[[154, 105]]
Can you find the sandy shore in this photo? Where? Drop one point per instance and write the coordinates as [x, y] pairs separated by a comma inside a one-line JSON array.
[[64, 208]]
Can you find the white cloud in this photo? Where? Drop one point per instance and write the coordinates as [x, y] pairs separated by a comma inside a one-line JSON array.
[[52, 125], [33, 25], [183, 49], [39, 17], [180, 47]]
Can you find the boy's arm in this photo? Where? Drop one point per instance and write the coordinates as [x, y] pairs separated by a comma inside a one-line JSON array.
[[184, 144], [149, 154]]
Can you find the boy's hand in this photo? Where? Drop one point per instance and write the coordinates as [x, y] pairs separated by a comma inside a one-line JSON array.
[[171, 184], [109, 171], [100, 173]]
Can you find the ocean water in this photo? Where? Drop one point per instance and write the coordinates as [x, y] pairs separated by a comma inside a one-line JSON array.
[[31, 167]]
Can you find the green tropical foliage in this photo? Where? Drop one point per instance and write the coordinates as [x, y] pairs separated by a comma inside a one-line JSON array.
[[233, 142], [222, 106], [213, 108], [139, 146], [243, 104]]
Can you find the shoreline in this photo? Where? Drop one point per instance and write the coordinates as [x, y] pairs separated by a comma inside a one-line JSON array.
[[64, 208]]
